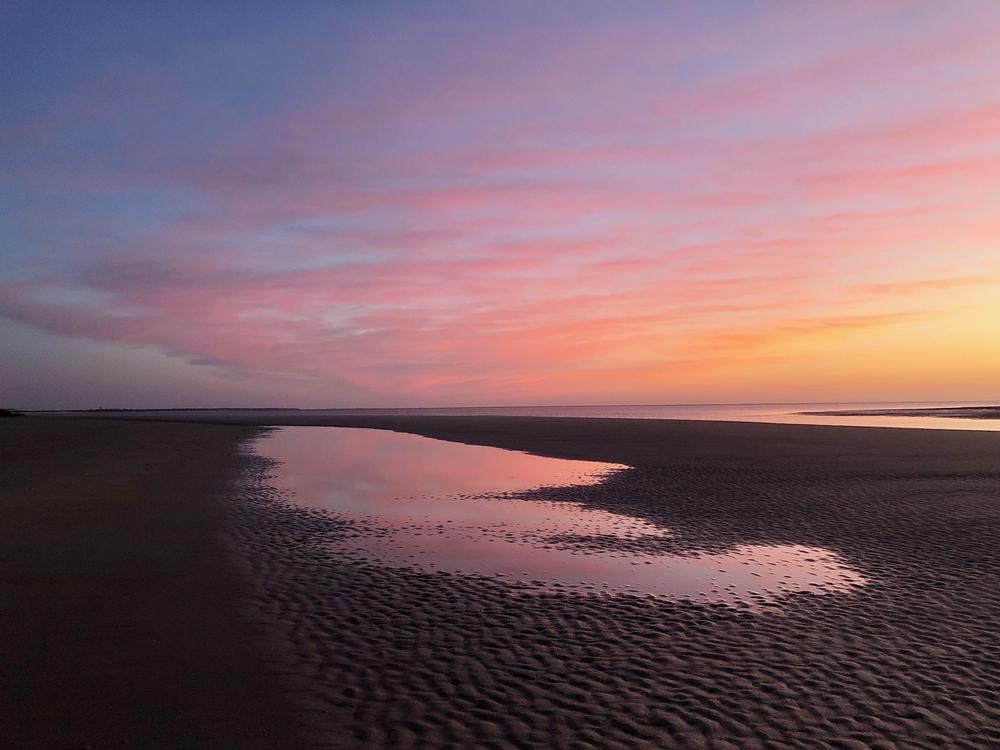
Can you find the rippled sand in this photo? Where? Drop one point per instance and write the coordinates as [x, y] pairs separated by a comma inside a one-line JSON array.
[[396, 657]]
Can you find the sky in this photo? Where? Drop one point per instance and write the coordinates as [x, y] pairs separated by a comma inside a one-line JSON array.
[[498, 203]]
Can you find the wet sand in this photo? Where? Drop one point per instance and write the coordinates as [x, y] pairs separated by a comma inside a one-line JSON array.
[[120, 623], [958, 412], [368, 656]]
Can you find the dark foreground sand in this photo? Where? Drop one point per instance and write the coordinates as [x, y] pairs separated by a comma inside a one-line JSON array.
[[362, 656], [119, 624]]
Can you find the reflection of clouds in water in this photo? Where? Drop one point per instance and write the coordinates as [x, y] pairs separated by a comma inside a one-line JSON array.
[[386, 473], [449, 507]]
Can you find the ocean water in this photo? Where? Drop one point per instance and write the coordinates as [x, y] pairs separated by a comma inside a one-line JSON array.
[[436, 506], [788, 413]]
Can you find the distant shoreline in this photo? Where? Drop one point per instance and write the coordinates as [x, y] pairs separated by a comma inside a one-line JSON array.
[[965, 412], [974, 416], [879, 407]]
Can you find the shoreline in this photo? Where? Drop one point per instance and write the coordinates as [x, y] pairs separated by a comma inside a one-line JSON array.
[[963, 412], [726, 412], [374, 657], [657, 442]]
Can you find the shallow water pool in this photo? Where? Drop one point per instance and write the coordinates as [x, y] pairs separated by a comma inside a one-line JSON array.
[[440, 506]]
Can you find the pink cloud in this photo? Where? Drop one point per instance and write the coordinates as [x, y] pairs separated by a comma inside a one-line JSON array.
[[620, 210]]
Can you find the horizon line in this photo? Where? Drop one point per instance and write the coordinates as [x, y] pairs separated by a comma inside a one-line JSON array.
[[990, 402]]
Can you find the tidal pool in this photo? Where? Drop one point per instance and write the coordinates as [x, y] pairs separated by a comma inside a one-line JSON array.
[[439, 506]]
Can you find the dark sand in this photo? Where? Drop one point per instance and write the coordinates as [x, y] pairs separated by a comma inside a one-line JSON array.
[[378, 657], [958, 412], [120, 601]]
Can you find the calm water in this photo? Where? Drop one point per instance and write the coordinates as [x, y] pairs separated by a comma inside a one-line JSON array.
[[440, 506]]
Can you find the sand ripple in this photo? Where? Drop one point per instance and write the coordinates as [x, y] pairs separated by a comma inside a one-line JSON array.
[[389, 657]]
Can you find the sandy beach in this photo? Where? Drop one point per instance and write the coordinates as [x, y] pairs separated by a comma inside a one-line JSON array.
[[243, 629]]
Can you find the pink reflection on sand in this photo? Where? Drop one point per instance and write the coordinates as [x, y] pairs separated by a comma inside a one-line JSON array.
[[441, 506]]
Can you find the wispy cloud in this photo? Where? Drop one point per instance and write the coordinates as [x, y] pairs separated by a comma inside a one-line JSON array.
[[631, 207]]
